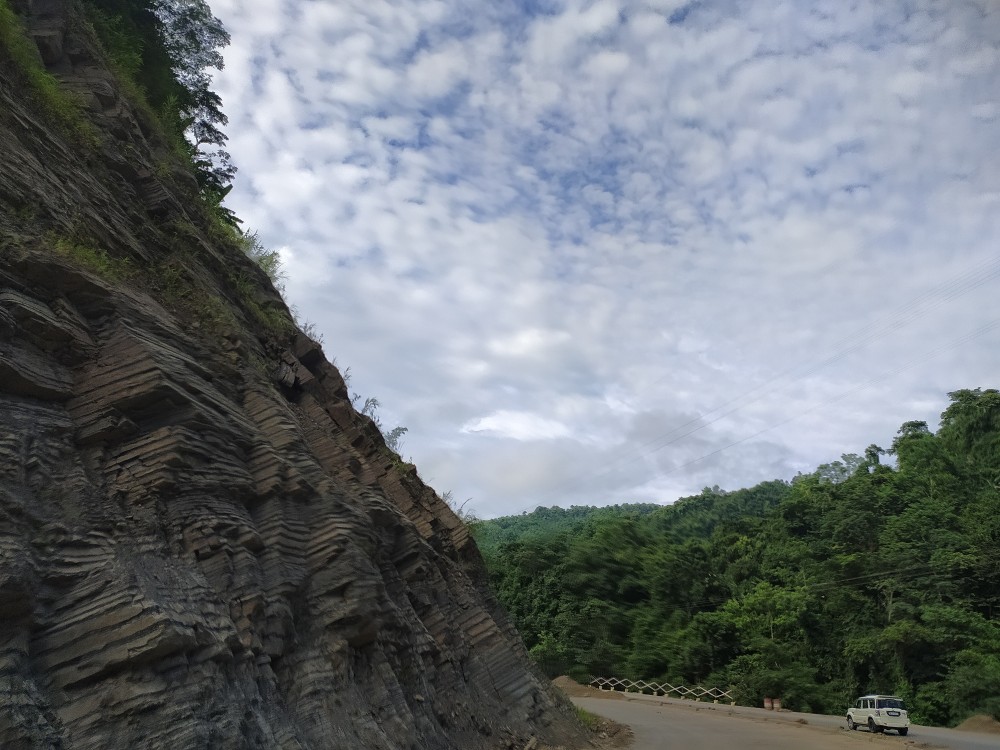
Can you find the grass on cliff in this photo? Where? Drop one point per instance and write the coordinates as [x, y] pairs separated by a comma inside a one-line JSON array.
[[589, 720], [245, 287], [64, 108], [270, 316], [170, 281], [94, 259]]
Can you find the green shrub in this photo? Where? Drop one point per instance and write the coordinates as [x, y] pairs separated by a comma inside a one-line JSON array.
[[124, 49], [94, 259], [268, 260], [271, 317], [127, 49], [47, 94], [589, 720]]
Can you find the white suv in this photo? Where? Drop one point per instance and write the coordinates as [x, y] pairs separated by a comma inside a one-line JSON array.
[[878, 713]]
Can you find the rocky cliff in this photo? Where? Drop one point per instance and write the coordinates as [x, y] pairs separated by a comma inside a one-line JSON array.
[[202, 543]]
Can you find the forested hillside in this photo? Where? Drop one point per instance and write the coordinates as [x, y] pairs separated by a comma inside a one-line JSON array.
[[545, 522], [875, 573]]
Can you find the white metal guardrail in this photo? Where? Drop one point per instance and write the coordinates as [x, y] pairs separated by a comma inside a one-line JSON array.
[[662, 688]]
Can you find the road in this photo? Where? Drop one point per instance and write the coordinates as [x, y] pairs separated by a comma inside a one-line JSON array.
[[670, 724]]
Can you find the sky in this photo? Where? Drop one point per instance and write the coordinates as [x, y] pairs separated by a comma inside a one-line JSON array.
[[612, 251]]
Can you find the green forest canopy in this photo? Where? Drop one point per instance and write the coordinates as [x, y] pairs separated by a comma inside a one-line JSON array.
[[860, 577]]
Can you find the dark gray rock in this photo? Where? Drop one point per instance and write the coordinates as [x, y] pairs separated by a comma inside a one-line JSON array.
[[202, 543]]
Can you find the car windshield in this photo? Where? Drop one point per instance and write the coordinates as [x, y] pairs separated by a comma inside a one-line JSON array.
[[892, 703]]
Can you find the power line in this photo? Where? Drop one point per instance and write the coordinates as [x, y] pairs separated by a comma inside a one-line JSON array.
[[896, 319], [636, 455], [897, 575], [918, 360], [858, 338]]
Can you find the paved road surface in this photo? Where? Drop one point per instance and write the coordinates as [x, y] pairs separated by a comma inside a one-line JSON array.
[[668, 724]]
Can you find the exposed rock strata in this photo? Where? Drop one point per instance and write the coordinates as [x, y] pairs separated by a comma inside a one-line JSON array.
[[202, 544]]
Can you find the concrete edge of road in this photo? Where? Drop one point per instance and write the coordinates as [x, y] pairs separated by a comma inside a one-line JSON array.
[[666, 725], [751, 711], [919, 736]]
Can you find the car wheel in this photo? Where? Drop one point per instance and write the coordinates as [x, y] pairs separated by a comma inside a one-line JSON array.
[[850, 724], [872, 728], [902, 732]]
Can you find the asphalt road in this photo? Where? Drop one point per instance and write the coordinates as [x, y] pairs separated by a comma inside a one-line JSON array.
[[670, 724]]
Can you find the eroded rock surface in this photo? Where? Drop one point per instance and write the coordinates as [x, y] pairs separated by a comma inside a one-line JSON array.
[[202, 544]]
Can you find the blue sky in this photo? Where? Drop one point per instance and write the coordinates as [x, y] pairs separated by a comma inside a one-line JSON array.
[[598, 252]]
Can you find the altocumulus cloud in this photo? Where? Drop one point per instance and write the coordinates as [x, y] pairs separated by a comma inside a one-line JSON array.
[[595, 252]]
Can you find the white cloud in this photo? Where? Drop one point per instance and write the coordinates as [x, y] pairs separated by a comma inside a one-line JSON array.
[[545, 238], [517, 426]]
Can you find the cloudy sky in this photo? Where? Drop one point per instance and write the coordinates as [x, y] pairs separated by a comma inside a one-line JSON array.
[[613, 251]]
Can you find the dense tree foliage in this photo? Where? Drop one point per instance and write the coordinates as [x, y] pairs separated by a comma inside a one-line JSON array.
[[545, 522], [167, 50], [861, 577]]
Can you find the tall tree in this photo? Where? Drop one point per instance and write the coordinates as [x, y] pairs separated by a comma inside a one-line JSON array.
[[170, 49]]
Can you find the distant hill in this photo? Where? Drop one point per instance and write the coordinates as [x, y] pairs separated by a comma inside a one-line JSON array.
[[860, 577], [543, 522]]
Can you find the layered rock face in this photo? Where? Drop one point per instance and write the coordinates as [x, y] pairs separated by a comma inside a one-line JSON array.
[[202, 544]]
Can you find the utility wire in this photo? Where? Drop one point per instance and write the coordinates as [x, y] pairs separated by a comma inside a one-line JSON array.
[[897, 575], [873, 381], [927, 355], [965, 282], [857, 339]]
